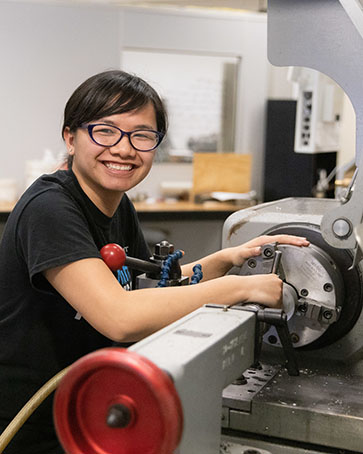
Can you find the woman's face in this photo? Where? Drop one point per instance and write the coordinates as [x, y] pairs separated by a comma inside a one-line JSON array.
[[106, 173]]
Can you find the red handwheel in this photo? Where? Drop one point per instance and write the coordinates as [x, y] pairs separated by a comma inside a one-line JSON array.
[[114, 401]]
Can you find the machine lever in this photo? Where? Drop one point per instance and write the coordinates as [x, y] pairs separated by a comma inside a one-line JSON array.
[[278, 318], [291, 362], [276, 262], [143, 265], [115, 258]]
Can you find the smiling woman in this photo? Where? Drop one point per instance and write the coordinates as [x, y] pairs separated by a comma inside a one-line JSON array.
[[105, 156], [116, 167], [59, 300]]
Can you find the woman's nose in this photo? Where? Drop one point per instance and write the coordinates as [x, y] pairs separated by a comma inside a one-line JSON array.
[[124, 147]]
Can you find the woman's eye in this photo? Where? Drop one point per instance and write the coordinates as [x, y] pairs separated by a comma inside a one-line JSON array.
[[144, 136], [105, 131]]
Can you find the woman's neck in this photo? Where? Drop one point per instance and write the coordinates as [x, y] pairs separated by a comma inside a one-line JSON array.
[[106, 201]]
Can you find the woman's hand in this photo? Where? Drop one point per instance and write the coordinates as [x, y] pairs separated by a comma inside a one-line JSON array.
[[252, 248], [218, 264], [265, 289]]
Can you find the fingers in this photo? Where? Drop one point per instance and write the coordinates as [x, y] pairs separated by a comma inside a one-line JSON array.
[[277, 302], [281, 238], [251, 252], [238, 254], [265, 289], [290, 239]]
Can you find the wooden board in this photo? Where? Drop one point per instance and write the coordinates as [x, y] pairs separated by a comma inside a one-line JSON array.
[[227, 172]]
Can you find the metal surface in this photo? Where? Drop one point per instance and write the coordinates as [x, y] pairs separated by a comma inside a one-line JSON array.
[[296, 37], [228, 447], [318, 284], [313, 289], [302, 217], [322, 409], [315, 408], [137, 400], [334, 50], [240, 393], [142, 281], [354, 10], [244, 444], [203, 352], [359, 235]]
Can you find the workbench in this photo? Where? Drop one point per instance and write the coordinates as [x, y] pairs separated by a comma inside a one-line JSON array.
[[194, 228]]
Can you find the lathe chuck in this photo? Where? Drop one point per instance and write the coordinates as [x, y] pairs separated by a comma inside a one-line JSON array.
[[321, 284]]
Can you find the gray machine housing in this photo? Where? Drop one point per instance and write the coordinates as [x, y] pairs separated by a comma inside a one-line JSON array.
[[322, 408]]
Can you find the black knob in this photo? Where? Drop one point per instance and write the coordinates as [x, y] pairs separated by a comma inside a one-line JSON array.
[[118, 416]]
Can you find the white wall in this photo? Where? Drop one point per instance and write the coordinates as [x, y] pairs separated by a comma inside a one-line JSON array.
[[46, 51], [347, 133], [221, 33]]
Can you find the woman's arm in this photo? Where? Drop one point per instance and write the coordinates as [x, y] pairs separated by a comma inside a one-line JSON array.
[[130, 316], [219, 263]]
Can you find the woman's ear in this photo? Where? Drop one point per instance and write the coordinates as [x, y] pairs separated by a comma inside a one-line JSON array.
[[68, 137]]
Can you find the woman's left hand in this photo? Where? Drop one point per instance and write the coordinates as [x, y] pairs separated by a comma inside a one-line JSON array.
[[252, 248]]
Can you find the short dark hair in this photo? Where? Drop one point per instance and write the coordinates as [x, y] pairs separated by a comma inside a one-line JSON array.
[[109, 93]]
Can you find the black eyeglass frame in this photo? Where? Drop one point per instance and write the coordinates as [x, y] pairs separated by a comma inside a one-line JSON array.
[[90, 126]]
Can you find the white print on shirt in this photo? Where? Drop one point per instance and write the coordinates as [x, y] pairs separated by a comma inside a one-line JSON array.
[[124, 278]]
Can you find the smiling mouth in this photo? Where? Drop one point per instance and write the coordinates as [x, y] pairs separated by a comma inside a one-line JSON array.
[[113, 166]]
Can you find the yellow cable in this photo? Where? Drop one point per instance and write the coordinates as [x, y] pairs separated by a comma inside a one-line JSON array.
[[32, 404]]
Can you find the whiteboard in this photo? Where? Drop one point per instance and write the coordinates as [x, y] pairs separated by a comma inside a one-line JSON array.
[[199, 92]]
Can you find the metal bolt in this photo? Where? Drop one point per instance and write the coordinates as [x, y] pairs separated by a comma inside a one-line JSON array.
[[294, 338], [163, 249], [304, 292], [272, 339], [342, 228], [302, 308], [252, 263], [268, 252], [328, 287], [327, 315], [118, 416]]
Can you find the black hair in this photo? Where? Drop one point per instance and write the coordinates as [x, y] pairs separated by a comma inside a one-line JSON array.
[[109, 93]]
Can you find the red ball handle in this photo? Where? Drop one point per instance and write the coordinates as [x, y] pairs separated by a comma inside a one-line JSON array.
[[114, 256]]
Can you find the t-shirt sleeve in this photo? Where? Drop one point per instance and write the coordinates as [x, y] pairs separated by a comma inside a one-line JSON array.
[[52, 231]]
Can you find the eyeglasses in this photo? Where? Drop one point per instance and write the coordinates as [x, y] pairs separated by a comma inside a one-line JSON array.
[[108, 136]]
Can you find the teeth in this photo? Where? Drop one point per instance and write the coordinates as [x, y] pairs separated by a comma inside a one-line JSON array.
[[118, 166]]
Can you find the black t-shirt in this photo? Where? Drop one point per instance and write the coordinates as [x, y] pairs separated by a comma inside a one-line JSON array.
[[54, 223]]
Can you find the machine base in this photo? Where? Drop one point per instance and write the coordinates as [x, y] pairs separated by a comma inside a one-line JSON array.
[[319, 409], [236, 444]]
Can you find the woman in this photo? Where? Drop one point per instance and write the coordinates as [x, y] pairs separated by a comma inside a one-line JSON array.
[[58, 299]]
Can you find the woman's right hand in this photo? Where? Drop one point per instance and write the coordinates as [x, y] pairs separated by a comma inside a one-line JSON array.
[[265, 289]]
